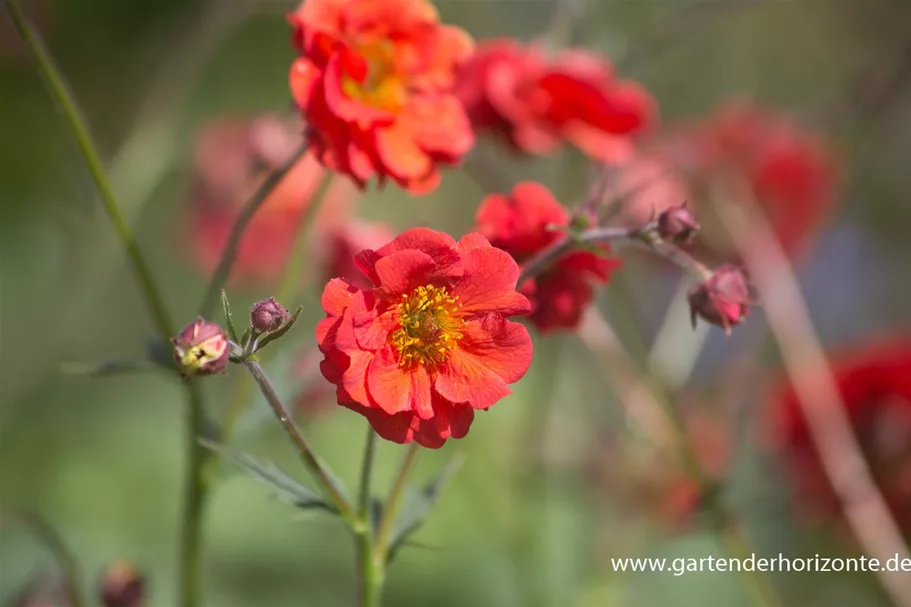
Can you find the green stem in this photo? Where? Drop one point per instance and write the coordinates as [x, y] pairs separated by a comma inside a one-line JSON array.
[[363, 500], [194, 494], [370, 568], [300, 442], [392, 502], [59, 91], [220, 277], [66, 560]]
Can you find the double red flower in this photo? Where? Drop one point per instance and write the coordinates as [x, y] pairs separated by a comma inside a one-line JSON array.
[[374, 82], [429, 343], [537, 102], [528, 221]]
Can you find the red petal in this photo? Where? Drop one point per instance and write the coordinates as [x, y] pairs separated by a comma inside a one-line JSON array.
[[337, 296], [404, 270], [489, 284], [396, 389], [472, 241], [399, 428]]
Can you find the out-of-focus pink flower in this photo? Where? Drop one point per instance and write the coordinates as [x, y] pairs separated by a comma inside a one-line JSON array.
[[875, 385], [537, 102], [232, 157], [339, 243]]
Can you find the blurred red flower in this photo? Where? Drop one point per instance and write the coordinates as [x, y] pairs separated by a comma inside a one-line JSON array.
[[374, 82], [429, 343], [522, 224], [875, 384], [338, 245], [232, 157], [536, 102]]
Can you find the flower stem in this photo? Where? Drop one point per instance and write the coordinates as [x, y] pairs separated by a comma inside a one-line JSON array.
[[300, 442], [392, 502], [192, 528], [370, 569], [220, 277]]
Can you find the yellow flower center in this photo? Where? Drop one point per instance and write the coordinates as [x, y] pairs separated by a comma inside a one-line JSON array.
[[429, 326], [384, 88]]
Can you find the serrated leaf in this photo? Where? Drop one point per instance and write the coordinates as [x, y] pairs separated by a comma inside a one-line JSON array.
[[270, 337], [284, 487], [417, 505], [226, 311]]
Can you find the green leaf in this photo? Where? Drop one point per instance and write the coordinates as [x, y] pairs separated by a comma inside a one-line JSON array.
[[418, 503], [284, 487], [226, 310], [272, 336]]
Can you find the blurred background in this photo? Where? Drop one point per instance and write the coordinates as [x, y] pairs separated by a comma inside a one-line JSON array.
[[558, 479]]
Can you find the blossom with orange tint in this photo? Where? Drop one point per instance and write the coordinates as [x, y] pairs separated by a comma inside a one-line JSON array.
[[537, 102], [524, 223], [791, 173], [374, 83], [232, 157], [875, 385], [429, 343]]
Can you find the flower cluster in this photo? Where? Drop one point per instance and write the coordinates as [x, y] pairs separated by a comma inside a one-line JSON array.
[[528, 221], [374, 82], [536, 102], [430, 342]]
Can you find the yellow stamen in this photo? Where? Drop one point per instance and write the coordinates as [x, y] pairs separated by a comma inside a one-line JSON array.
[[429, 326]]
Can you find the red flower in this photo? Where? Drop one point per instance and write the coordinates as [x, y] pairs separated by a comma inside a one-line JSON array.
[[429, 343], [792, 175], [374, 83], [521, 224], [875, 385], [536, 102], [232, 158]]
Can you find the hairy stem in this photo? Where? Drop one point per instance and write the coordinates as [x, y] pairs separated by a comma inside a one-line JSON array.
[[320, 475]]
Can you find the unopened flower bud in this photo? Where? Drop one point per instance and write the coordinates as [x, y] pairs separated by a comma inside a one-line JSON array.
[[721, 300], [268, 315], [201, 348], [677, 225], [122, 586]]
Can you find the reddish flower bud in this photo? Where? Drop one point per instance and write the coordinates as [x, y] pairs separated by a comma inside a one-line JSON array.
[[201, 348], [721, 300], [122, 586], [677, 225], [268, 315]]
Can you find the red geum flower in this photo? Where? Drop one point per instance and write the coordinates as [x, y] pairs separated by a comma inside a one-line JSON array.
[[722, 300], [524, 223], [233, 156], [429, 344], [536, 101], [374, 82], [875, 385], [792, 174]]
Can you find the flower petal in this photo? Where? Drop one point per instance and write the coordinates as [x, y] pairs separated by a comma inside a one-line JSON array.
[[396, 389], [404, 270], [489, 284]]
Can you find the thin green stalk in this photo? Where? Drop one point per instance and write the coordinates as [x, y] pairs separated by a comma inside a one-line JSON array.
[[370, 568], [60, 93], [220, 277], [194, 496], [392, 502], [363, 496], [300, 442]]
